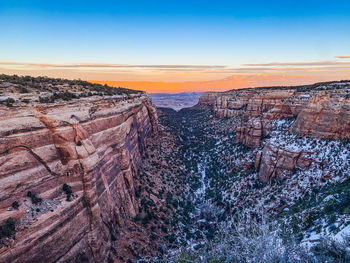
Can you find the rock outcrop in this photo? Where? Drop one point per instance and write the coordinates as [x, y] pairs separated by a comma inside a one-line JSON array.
[[326, 116], [251, 103], [277, 162], [208, 98], [93, 145], [250, 134]]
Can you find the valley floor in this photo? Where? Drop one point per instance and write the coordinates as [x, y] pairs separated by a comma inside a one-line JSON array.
[[221, 212]]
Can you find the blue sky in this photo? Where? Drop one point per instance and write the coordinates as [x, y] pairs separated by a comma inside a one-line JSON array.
[[229, 33]]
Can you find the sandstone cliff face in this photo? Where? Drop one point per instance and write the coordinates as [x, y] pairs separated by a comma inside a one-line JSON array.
[[276, 162], [319, 111], [327, 115], [94, 146], [208, 98], [250, 134], [250, 102]]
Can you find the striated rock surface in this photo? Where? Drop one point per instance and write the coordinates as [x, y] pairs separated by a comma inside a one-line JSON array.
[[95, 147], [250, 134], [208, 98], [277, 162], [326, 116], [321, 110], [251, 103]]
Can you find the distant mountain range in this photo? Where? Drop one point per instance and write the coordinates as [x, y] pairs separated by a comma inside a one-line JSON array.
[[176, 101]]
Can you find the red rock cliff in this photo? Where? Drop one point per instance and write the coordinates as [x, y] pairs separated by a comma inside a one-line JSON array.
[[321, 110], [327, 115], [94, 146]]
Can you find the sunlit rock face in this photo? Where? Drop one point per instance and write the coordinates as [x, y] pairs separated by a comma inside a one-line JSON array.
[[327, 116], [276, 162], [94, 145], [208, 98], [321, 110], [250, 102]]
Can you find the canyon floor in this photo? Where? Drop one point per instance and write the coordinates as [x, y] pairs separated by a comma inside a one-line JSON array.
[[220, 200]]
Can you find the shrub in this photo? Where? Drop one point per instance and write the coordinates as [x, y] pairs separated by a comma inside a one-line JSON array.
[[137, 218], [332, 251], [24, 90], [68, 96], [9, 102], [253, 240], [50, 99], [9, 228], [33, 196], [68, 191], [15, 205]]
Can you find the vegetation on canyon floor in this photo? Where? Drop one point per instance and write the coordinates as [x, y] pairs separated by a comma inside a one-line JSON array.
[[223, 213]]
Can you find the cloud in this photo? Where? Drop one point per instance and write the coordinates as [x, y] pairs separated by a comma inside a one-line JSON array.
[[297, 64], [342, 57], [108, 65], [318, 70], [207, 69]]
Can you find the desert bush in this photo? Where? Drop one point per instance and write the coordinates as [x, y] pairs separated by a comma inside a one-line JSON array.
[[67, 189], [33, 196], [332, 251], [254, 240], [15, 205], [8, 229], [9, 102]]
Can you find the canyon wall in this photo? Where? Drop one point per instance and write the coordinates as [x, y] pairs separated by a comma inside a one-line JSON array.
[[208, 98], [320, 111], [78, 159], [327, 115]]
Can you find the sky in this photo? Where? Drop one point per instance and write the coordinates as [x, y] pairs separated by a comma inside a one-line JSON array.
[[174, 46]]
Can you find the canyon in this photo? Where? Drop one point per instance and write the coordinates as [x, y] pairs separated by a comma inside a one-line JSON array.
[[90, 173], [321, 111], [94, 147]]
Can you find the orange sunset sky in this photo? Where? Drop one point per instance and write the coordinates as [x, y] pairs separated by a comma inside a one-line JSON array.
[[185, 78]]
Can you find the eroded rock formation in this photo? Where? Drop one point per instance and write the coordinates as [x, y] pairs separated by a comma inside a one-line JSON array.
[[250, 134], [326, 116], [319, 111], [208, 98], [95, 147], [275, 162]]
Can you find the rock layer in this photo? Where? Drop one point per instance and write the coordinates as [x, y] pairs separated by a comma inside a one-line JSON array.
[[327, 115], [94, 146], [250, 134], [276, 162], [321, 110]]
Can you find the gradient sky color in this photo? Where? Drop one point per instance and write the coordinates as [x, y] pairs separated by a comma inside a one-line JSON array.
[[200, 44]]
